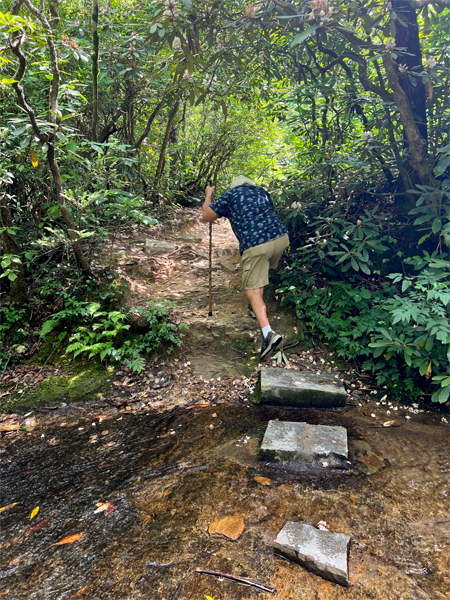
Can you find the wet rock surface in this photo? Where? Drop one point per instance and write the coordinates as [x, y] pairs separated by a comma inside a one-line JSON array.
[[321, 552], [290, 388], [286, 440], [167, 484]]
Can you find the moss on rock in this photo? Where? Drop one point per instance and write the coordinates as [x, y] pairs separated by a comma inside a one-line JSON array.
[[84, 382]]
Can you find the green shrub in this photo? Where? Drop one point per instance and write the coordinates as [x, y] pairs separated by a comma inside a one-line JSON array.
[[397, 329]]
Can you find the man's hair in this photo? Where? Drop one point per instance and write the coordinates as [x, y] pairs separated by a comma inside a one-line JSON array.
[[240, 180]]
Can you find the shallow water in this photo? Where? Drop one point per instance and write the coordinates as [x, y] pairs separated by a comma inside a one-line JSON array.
[[167, 487]]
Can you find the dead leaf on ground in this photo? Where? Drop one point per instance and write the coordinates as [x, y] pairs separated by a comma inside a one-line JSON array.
[[101, 507], [37, 526], [105, 432], [8, 506], [70, 539], [263, 480], [35, 512], [388, 423], [9, 426], [110, 508], [200, 405]]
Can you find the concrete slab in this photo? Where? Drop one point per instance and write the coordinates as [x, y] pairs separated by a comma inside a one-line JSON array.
[[287, 387], [287, 440], [321, 552]]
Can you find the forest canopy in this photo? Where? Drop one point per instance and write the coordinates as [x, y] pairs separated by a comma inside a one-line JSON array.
[[121, 112]]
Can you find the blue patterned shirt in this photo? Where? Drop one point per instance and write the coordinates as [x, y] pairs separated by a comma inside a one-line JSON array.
[[251, 214]]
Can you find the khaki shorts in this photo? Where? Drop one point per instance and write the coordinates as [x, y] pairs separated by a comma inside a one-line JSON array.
[[257, 261]]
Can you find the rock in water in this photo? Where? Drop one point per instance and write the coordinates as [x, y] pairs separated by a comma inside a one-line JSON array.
[[286, 387], [321, 552], [287, 440], [229, 527], [153, 247]]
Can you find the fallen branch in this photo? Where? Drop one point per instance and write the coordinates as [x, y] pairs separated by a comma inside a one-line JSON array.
[[265, 587]]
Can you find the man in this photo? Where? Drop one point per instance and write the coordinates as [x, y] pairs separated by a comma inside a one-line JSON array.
[[262, 240]]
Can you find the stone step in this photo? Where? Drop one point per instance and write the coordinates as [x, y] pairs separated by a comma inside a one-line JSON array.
[[287, 440], [321, 552], [301, 389]]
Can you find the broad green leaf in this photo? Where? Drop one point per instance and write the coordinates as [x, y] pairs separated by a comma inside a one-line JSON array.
[[304, 35], [436, 226]]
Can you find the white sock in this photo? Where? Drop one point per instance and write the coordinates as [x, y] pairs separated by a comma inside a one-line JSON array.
[[265, 330]]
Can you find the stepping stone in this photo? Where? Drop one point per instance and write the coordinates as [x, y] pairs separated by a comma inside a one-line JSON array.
[[153, 247], [286, 440], [321, 552], [301, 389]]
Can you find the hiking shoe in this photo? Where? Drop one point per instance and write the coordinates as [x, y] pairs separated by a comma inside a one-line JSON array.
[[272, 341], [250, 312]]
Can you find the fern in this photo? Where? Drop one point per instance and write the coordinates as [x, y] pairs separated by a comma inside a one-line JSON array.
[[48, 327]]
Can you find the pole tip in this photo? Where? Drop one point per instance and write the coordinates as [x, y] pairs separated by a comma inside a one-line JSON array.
[[210, 314]]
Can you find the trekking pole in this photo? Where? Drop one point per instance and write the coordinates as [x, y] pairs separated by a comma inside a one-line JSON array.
[[210, 270]]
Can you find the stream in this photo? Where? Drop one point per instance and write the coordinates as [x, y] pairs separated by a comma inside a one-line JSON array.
[[167, 476]]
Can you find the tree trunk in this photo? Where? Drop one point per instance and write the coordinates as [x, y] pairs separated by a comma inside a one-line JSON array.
[[53, 110], [94, 56], [162, 154], [67, 217], [416, 143], [407, 36]]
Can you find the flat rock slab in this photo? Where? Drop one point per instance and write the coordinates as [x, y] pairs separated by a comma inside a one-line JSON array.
[[153, 247], [286, 440], [229, 527], [287, 387], [321, 552]]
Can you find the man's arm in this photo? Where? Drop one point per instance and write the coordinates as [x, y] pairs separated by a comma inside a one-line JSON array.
[[207, 213]]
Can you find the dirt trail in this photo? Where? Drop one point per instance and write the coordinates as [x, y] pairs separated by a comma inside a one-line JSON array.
[[226, 343]]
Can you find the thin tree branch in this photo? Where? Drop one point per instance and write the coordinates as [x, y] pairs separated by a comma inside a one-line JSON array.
[[150, 122]]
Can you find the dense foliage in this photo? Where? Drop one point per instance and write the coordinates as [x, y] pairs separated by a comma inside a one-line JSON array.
[[114, 111]]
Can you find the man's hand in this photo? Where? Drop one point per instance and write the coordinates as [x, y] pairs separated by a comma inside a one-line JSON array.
[[207, 213]]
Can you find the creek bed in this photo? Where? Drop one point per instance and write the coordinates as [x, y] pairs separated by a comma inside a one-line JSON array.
[[169, 475]]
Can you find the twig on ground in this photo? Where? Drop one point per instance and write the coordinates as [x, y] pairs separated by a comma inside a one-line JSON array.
[[265, 587]]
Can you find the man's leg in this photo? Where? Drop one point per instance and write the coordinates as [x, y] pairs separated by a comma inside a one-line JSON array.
[[255, 297], [271, 340]]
